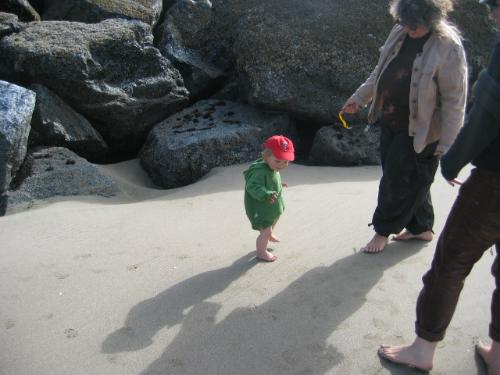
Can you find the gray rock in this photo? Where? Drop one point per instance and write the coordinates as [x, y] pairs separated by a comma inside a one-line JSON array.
[[196, 47], [93, 11], [336, 146], [54, 123], [9, 23], [22, 8], [302, 57], [16, 108], [186, 146], [109, 72], [56, 172]]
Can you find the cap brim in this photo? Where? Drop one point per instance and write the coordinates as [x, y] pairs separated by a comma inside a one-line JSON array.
[[290, 156]]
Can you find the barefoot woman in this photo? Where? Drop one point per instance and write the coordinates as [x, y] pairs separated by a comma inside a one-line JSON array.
[[418, 94]]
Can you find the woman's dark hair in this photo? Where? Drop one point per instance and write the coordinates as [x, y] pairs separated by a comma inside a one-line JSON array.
[[427, 13]]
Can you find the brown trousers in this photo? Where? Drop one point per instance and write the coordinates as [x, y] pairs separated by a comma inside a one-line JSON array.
[[472, 227]]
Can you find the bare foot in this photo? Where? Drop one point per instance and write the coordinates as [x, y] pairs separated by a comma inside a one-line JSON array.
[[376, 245], [266, 256], [273, 238], [491, 356], [418, 355], [407, 235]]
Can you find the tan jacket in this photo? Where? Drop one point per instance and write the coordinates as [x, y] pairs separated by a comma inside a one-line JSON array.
[[438, 88]]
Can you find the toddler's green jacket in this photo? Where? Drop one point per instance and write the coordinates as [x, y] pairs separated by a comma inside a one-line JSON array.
[[260, 183]]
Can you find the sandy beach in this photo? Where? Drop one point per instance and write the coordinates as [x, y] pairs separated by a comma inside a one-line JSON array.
[[164, 282]]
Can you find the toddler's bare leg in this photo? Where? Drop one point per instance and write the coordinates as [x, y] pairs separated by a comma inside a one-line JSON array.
[[261, 244], [273, 238]]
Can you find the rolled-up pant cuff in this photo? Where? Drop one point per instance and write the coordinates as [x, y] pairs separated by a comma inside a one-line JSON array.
[[494, 333], [428, 336]]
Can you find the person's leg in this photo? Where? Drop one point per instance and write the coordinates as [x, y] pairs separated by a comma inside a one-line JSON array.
[[378, 241], [491, 353], [396, 189], [419, 354], [469, 231], [273, 238], [261, 244], [495, 299], [421, 215]]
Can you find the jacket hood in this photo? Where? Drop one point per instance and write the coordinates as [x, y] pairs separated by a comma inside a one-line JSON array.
[[258, 165]]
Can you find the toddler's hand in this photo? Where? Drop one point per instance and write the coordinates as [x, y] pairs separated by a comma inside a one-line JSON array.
[[273, 198], [284, 184]]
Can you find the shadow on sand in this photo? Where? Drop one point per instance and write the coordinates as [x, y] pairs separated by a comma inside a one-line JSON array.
[[287, 334]]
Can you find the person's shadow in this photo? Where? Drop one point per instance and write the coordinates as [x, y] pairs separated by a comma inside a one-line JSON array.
[[167, 308], [288, 334]]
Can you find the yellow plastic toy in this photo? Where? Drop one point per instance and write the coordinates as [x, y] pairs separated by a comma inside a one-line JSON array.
[[344, 122]]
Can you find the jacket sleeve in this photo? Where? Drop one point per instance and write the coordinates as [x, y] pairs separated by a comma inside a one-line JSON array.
[[452, 83], [256, 187], [479, 129], [365, 93], [482, 125]]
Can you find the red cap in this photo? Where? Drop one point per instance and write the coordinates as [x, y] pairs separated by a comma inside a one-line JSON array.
[[281, 146]]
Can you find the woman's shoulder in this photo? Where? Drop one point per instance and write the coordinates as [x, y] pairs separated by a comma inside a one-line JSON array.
[[449, 36]]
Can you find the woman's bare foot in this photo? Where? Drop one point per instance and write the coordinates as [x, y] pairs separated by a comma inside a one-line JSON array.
[[266, 256], [376, 245], [407, 235], [491, 356], [419, 354], [273, 238]]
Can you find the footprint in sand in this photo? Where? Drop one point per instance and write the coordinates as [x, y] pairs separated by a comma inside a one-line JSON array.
[[61, 276], [70, 333], [10, 323]]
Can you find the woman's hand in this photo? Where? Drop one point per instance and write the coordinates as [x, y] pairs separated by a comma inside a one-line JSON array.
[[350, 107]]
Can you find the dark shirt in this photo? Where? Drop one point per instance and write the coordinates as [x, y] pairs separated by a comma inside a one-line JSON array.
[[479, 140], [394, 85]]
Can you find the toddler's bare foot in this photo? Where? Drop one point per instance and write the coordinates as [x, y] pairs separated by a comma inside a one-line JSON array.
[[407, 235], [266, 256], [418, 355], [376, 245], [273, 238], [491, 356]]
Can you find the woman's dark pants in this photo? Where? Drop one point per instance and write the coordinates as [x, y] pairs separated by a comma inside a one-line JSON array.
[[404, 199], [472, 227]]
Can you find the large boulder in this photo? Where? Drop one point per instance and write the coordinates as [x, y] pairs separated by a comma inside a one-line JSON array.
[[110, 72], [16, 108], [54, 123], [92, 11], [56, 172], [186, 146], [336, 146], [199, 48], [302, 57]]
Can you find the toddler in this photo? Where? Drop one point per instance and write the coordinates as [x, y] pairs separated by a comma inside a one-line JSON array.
[[263, 199]]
